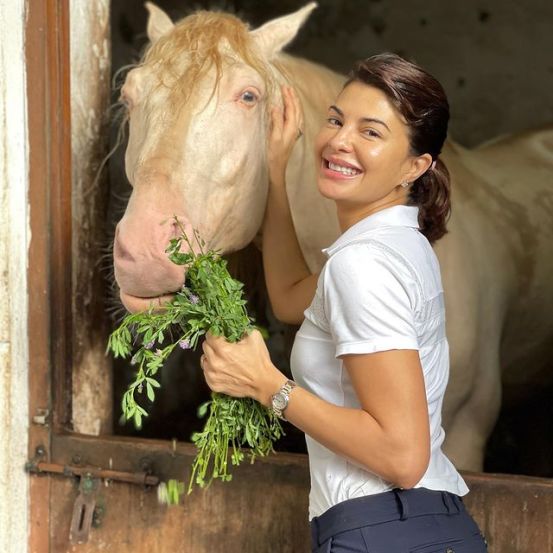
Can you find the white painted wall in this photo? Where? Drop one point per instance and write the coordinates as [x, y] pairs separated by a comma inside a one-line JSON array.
[[14, 240]]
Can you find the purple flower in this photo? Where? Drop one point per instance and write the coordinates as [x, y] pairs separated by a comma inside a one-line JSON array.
[[194, 299], [150, 345], [184, 344], [134, 359], [159, 353]]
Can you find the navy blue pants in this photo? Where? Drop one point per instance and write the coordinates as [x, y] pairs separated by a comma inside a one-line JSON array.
[[417, 520]]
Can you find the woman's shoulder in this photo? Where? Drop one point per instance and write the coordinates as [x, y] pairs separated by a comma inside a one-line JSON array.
[[404, 256], [377, 254]]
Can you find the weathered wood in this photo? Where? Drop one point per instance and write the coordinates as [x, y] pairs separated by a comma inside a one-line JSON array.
[[264, 508], [514, 512], [47, 60], [90, 98]]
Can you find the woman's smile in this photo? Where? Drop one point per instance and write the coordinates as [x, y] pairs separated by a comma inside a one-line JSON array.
[[337, 169]]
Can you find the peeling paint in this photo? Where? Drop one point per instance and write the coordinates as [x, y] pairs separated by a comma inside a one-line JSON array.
[[14, 237]]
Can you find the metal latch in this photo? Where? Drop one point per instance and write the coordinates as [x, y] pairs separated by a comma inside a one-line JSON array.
[[86, 513], [83, 510]]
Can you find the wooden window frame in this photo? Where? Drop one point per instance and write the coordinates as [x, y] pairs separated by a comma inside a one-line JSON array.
[[49, 273]]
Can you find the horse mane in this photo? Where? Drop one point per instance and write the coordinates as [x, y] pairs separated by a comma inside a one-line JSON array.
[[193, 47]]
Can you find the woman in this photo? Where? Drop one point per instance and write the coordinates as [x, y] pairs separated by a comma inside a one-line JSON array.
[[370, 361]]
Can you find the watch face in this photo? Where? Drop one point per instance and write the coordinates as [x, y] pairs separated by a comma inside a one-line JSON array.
[[279, 401]]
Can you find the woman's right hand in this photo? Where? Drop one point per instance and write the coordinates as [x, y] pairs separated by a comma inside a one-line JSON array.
[[286, 129]]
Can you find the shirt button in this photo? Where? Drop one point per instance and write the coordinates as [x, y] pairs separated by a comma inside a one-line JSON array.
[[449, 550]]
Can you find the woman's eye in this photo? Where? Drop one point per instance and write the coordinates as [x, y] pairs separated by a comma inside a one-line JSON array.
[[333, 121], [248, 97], [370, 132]]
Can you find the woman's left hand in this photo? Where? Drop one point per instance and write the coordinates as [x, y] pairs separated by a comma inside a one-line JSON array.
[[241, 369]]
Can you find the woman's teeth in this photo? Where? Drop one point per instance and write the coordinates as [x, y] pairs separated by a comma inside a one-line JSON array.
[[344, 170]]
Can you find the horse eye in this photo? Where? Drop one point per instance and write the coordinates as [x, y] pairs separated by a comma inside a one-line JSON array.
[[248, 97]]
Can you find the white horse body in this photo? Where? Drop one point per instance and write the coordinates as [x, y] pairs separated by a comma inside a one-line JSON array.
[[496, 260]]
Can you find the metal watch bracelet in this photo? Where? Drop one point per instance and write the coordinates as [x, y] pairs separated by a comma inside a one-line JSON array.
[[279, 401]]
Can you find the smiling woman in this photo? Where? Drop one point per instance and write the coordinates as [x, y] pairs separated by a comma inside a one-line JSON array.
[[371, 358], [420, 110], [359, 152]]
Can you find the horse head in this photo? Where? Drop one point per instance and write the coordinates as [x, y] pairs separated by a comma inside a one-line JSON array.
[[198, 108]]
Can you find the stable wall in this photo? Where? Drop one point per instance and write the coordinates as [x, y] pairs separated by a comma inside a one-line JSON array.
[[494, 57], [14, 238]]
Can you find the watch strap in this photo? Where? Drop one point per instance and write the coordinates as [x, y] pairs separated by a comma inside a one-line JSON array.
[[285, 390]]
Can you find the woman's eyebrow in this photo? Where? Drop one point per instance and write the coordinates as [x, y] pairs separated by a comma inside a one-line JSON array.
[[363, 119]]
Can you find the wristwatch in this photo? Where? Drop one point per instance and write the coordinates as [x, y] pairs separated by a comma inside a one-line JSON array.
[[279, 401]]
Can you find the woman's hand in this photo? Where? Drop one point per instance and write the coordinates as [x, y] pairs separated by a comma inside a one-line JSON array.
[[242, 369], [286, 129]]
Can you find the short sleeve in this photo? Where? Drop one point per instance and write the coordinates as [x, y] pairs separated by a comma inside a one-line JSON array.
[[369, 301]]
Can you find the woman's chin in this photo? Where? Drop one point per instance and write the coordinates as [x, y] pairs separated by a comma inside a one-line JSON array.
[[135, 304], [331, 190]]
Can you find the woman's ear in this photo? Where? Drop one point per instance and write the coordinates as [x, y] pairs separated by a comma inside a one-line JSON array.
[[419, 166]]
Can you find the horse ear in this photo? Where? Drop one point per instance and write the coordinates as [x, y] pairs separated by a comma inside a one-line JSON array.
[[273, 36], [159, 23]]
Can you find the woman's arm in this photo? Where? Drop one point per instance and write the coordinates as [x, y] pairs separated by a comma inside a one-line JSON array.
[[290, 284], [388, 436]]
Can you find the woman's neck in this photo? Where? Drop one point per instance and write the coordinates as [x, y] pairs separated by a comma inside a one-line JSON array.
[[349, 215]]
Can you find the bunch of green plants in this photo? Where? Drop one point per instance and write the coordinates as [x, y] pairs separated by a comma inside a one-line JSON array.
[[211, 300]]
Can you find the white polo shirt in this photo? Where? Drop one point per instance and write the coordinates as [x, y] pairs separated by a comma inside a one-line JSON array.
[[380, 289]]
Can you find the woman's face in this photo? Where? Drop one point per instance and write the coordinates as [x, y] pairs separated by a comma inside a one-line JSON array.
[[363, 151]]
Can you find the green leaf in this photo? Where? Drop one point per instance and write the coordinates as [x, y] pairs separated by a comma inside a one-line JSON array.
[[137, 420], [150, 391], [202, 409], [153, 382]]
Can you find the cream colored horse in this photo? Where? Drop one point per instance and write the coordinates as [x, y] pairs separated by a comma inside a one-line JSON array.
[[198, 114]]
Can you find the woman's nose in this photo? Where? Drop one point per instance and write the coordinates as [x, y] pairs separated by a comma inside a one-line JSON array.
[[341, 141]]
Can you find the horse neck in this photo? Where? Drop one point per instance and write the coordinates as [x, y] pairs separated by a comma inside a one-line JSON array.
[[317, 88], [314, 216]]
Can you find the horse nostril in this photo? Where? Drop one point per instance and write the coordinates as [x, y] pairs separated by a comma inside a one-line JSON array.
[[120, 252]]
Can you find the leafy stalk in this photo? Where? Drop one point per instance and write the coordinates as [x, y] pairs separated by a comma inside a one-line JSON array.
[[210, 301]]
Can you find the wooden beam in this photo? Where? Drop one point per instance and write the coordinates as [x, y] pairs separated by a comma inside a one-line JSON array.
[[514, 512], [49, 273]]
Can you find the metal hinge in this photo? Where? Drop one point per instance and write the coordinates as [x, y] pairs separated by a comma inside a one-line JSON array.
[[86, 512]]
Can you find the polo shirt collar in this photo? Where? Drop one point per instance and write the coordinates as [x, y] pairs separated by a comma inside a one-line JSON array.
[[395, 216]]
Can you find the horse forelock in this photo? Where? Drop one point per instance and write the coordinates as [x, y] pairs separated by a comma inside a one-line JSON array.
[[198, 43]]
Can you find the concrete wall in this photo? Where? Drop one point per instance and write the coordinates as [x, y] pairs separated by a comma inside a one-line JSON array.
[[14, 239]]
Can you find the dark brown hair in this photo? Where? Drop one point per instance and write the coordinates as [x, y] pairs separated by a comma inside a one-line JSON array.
[[421, 99]]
